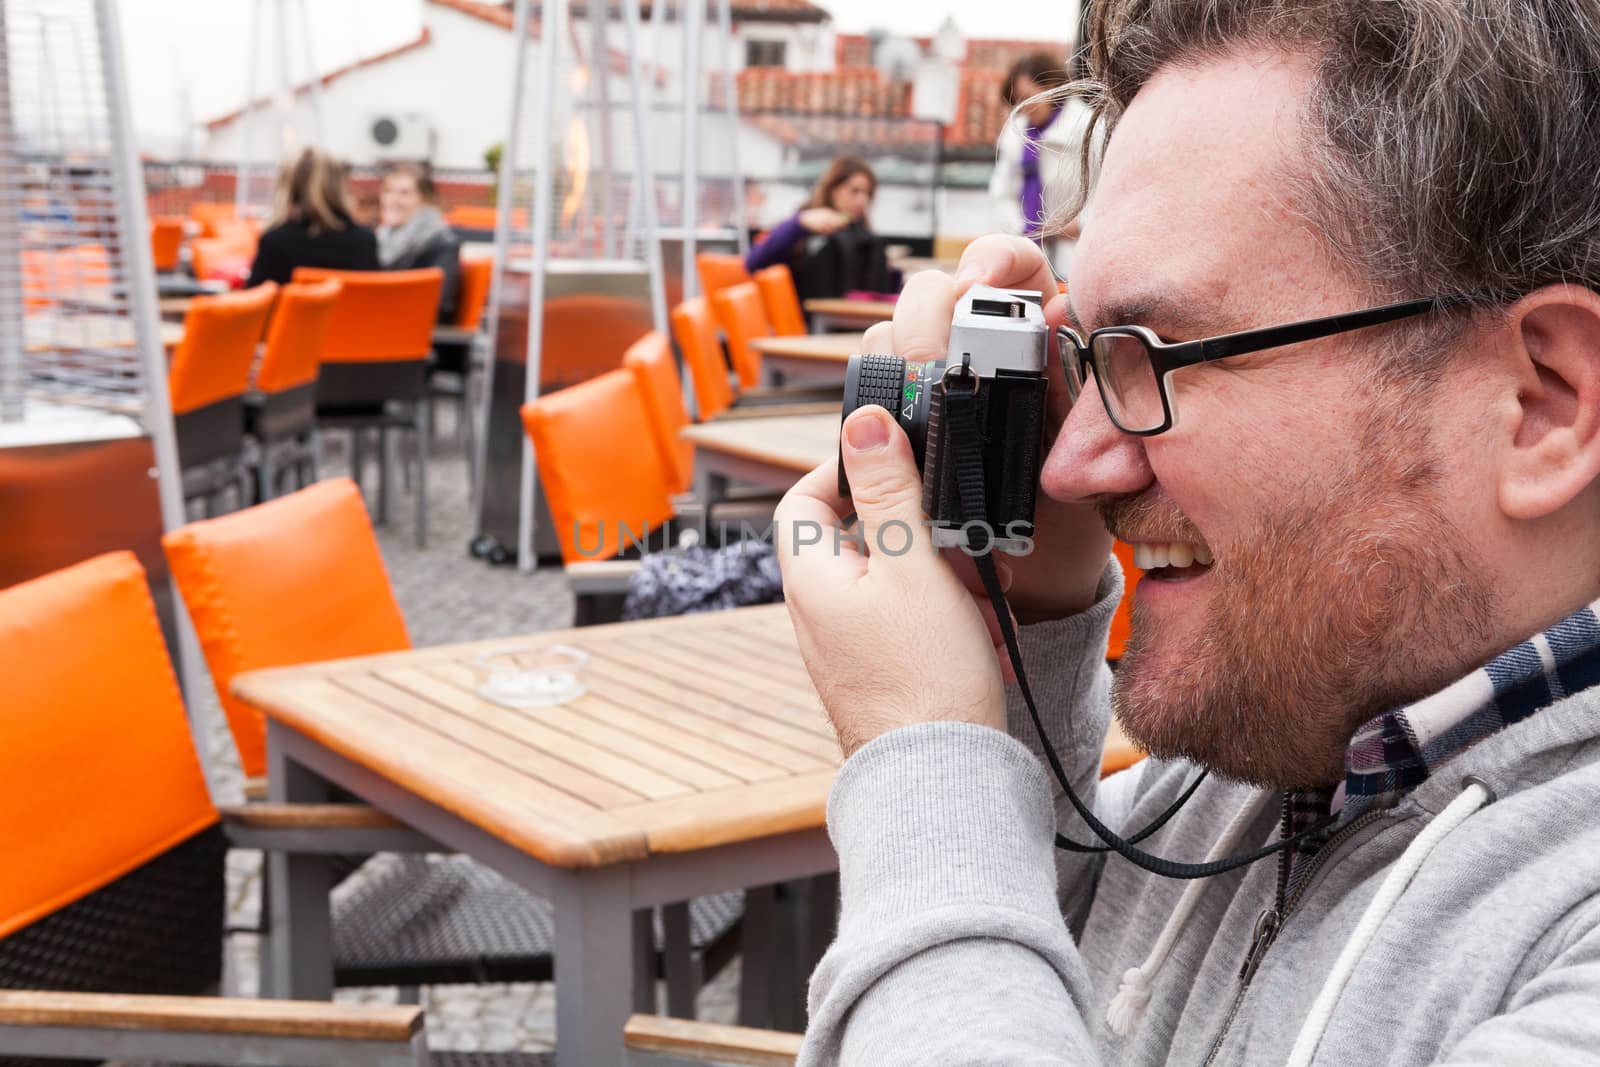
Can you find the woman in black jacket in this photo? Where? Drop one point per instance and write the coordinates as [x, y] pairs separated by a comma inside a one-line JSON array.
[[412, 234], [311, 223]]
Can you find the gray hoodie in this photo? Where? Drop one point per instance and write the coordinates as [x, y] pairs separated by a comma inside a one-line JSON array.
[[966, 937]]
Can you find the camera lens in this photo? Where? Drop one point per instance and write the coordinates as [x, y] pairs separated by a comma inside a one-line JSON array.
[[901, 387]]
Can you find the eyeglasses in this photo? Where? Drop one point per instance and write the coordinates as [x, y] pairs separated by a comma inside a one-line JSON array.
[[1133, 367]]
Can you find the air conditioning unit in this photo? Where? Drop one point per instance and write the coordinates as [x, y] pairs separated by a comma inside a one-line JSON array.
[[392, 135]]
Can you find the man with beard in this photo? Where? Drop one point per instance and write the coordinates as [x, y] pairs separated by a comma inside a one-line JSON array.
[[1371, 563]]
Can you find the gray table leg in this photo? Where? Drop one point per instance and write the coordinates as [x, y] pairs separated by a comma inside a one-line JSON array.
[[756, 952], [300, 946], [644, 961], [709, 486], [594, 964]]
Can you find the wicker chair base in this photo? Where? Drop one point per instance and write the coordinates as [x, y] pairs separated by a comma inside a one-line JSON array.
[[435, 920], [157, 929]]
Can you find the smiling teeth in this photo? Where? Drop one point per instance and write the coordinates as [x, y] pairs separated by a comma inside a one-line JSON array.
[[1154, 555]]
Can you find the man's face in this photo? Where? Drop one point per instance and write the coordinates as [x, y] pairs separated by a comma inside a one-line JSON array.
[[1325, 497]]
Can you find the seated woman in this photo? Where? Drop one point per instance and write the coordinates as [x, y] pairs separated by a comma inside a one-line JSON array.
[[413, 234], [828, 245], [311, 223]]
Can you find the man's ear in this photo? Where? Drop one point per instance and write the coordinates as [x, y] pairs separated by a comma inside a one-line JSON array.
[[1553, 344]]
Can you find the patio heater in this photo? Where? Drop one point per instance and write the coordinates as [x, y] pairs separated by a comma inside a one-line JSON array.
[[88, 460], [577, 245], [282, 136]]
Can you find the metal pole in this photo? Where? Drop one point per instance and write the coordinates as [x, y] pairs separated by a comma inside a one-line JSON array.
[[11, 373], [645, 180], [241, 178], [133, 237], [599, 64], [504, 198], [313, 76], [693, 13], [555, 12], [730, 104], [285, 82]]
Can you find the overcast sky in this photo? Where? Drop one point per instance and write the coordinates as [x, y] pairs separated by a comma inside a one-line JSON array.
[[188, 60]]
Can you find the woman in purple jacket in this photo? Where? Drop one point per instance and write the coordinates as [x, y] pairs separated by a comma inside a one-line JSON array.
[[827, 244]]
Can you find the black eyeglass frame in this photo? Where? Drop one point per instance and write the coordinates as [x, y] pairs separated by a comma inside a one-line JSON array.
[[1165, 358]]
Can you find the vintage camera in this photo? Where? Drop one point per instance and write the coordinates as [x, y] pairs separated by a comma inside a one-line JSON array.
[[1000, 337]]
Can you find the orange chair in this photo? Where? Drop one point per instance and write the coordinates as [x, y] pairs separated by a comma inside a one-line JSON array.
[[450, 372], [1122, 621], [208, 379], [473, 297], [104, 809], [696, 333], [281, 414], [781, 301], [650, 360], [598, 464], [219, 259], [290, 581], [585, 336], [743, 318], [208, 213], [166, 241], [718, 271], [375, 363]]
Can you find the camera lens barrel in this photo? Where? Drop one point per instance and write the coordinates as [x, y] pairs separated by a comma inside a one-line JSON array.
[[902, 388]]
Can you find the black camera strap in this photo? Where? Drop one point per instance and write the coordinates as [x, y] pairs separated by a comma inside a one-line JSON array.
[[961, 388]]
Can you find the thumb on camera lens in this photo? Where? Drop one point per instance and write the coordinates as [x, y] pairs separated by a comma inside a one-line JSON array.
[[885, 485]]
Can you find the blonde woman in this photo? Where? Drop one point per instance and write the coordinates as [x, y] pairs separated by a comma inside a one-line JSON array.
[[311, 223]]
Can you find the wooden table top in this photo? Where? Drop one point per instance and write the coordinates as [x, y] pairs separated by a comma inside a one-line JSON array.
[[822, 347], [41, 333], [695, 731], [914, 264], [795, 442], [864, 310]]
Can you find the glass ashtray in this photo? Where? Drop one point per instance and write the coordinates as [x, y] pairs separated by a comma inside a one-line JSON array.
[[531, 677]]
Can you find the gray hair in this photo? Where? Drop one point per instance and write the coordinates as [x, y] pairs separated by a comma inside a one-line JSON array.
[[1453, 146]]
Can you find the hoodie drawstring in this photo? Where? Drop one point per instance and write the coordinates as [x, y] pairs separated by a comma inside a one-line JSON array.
[[1133, 995], [1474, 796]]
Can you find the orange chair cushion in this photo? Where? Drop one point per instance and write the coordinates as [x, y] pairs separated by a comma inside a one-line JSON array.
[[743, 318], [295, 580], [220, 334], [586, 335], [718, 270], [473, 296], [650, 359], [696, 333], [166, 241], [1122, 621], [297, 333], [380, 316], [98, 773], [781, 301], [598, 464]]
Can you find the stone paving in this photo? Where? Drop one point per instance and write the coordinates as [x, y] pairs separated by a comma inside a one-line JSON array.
[[446, 596]]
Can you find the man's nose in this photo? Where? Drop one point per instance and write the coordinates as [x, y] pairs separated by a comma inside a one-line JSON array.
[[1092, 458]]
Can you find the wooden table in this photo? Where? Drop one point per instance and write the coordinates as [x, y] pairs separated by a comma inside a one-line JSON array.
[[808, 356], [772, 452], [830, 313], [42, 333], [909, 265], [698, 762]]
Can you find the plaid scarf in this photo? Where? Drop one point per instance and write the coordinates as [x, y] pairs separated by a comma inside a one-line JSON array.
[[1397, 751]]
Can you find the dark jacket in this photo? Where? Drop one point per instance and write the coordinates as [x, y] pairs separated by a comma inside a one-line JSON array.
[[444, 253], [848, 260], [291, 244]]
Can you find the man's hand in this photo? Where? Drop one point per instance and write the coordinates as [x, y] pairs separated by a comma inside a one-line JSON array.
[[898, 634], [890, 635], [1060, 576]]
